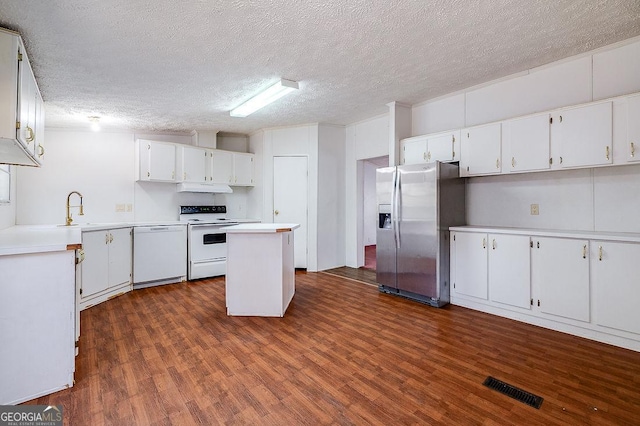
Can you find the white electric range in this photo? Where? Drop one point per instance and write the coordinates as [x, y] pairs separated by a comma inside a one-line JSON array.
[[206, 240]]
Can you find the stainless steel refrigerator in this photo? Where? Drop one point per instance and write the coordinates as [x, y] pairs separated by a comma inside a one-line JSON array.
[[416, 206]]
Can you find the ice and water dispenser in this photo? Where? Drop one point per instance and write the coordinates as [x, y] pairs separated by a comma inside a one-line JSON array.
[[384, 216]]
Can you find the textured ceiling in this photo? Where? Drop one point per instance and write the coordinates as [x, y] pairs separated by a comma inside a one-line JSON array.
[[175, 66]]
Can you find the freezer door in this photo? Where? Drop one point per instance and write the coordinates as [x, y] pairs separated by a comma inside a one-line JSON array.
[[385, 233], [417, 210]]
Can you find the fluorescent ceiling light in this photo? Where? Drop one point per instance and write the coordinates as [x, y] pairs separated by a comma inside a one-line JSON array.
[[95, 123], [265, 97]]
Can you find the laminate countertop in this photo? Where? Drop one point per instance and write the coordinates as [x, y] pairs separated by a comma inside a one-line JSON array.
[[261, 228]]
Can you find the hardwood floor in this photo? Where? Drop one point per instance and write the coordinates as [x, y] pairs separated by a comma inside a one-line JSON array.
[[342, 354], [363, 275]]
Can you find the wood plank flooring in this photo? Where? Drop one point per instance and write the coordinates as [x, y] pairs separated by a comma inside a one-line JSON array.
[[343, 354], [363, 275]]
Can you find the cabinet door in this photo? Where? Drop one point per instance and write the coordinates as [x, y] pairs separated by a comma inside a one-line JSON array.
[[27, 91], [243, 169], [39, 141], [95, 269], [471, 264], [527, 142], [194, 165], [222, 167], [162, 162], [616, 284], [119, 256], [633, 128], [481, 150], [510, 270], [585, 135], [560, 277], [414, 150], [441, 148]]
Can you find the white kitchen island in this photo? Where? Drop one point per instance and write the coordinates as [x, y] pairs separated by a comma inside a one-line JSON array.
[[260, 278]]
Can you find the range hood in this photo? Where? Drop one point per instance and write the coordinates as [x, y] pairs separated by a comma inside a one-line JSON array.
[[214, 188]]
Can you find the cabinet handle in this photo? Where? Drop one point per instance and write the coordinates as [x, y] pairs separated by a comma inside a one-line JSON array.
[[429, 156], [31, 136], [497, 163], [106, 238], [561, 119], [584, 251], [560, 160], [633, 150], [41, 150], [453, 147], [110, 237], [276, 212], [493, 244], [600, 253], [173, 174], [607, 153], [80, 257], [148, 174], [424, 155], [538, 244], [484, 243], [513, 162]]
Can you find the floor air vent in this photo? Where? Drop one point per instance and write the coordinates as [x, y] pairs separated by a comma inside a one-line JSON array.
[[513, 392]]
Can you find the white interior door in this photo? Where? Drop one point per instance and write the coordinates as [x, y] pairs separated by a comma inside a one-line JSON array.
[[290, 200]]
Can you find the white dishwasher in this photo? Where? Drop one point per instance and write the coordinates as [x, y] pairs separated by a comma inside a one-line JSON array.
[[159, 255]]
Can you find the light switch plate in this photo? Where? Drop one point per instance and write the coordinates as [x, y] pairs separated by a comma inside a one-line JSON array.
[[535, 209]]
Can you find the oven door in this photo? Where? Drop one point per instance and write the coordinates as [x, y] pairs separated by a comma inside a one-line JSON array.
[[207, 251]]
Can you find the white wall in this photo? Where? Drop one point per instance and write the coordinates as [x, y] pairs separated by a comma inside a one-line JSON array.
[[231, 142], [101, 167], [366, 139], [331, 196], [370, 205], [8, 211]]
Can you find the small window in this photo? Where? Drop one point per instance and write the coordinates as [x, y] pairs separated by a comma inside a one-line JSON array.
[[5, 184]]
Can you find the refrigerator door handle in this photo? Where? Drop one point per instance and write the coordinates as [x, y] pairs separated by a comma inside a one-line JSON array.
[[393, 207], [396, 211]]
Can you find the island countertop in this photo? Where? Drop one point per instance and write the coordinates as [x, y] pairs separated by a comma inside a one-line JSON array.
[[260, 228]]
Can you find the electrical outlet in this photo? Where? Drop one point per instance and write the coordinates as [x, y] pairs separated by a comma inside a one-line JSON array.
[[535, 209], [119, 208], [129, 207]]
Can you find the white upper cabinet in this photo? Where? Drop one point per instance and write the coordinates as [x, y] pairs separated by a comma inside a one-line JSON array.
[[481, 150], [231, 168], [560, 275], [221, 167], [444, 147], [156, 161], [192, 164], [21, 109], [584, 135], [526, 143], [242, 169], [633, 128], [414, 150]]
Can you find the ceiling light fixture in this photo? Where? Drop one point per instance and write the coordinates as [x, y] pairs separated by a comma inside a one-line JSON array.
[[95, 123], [265, 97]]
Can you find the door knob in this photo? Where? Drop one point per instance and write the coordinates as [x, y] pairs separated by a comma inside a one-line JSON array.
[[276, 212]]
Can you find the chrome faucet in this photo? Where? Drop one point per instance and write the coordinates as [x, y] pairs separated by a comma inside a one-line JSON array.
[[81, 212]]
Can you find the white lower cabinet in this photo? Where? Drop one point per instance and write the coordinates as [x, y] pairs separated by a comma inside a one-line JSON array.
[[560, 276], [106, 268], [615, 272], [509, 266], [470, 264], [564, 281]]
